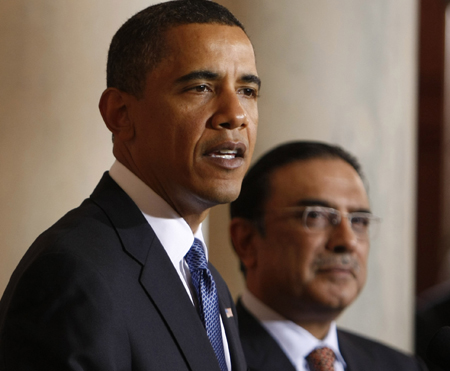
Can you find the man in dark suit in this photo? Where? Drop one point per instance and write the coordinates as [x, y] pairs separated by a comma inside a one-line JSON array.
[[301, 228], [122, 282]]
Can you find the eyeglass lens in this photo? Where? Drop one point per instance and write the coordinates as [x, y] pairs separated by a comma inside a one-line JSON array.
[[319, 219]]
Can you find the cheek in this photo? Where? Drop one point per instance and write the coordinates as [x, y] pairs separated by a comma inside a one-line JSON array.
[[184, 136], [252, 132], [251, 108], [181, 121], [363, 256], [294, 258]]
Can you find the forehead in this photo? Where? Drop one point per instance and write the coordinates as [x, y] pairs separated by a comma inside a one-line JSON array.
[[206, 45], [331, 181]]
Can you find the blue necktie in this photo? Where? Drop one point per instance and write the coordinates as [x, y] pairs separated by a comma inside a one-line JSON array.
[[208, 301]]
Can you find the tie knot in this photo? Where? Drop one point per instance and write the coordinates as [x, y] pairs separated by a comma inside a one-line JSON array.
[[195, 257], [321, 359]]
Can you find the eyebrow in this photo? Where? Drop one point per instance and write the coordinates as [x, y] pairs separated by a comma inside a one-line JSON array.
[[319, 202], [252, 79], [198, 75], [213, 76]]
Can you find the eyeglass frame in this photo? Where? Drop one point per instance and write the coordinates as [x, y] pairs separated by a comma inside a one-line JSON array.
[[374, 221]]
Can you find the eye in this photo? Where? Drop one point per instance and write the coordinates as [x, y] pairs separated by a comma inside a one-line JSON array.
[[201, 88], [315, 214], [316, 219], [360, 221], [249, 92]]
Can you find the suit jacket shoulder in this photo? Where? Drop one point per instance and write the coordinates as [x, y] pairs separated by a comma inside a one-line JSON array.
[[362, 353], [98, 291]]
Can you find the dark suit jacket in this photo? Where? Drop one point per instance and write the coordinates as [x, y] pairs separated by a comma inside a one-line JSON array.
[[98, 292], [264, 354], [432, 314]]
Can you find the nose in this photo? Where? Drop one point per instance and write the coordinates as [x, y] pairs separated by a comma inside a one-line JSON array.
[[230, 113], [342, 238]]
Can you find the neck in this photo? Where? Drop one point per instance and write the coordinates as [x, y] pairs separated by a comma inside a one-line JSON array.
[[194, 221], [317, 329], [313, 317], [316, 321], [188, 206]]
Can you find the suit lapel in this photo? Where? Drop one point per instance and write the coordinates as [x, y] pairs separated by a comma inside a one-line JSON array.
[[229, 320], [133, 230], [261, 350], [165, 289], [159, 278], [354, 355]]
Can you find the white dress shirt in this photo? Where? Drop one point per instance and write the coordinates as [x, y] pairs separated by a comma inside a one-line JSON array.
[[294, 340], [171, 229]]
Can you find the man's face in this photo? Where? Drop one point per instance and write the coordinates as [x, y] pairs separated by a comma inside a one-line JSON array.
[[303, 272], [195, 127]]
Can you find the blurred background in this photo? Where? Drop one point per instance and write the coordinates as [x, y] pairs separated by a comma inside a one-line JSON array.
[[369, 76]]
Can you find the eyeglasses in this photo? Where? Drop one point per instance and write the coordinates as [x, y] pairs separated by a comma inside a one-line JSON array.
[[322, 219]]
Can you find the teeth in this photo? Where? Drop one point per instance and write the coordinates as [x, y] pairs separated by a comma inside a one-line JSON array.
[[228, 151], [227, 154]]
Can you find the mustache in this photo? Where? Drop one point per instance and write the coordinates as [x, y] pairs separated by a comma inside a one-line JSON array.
[[337, 261]]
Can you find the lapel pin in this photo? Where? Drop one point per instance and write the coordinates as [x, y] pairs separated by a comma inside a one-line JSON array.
[[228, 312]]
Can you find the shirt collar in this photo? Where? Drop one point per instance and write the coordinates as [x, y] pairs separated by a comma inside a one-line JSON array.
[[171, 229], [295, 341]]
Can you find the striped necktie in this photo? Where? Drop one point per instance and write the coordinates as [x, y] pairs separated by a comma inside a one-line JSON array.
[[208, 302]]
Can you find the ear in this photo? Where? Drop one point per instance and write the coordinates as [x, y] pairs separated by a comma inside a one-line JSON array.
[[114, 108], [245, 235]]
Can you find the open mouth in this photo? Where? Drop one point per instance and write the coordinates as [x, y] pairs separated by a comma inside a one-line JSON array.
[[226, 154], [227, 151]]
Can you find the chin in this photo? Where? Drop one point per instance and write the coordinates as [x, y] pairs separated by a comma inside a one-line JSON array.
[[343, 301], [222, 193], [336, 300], [204, 199], [225, 197]]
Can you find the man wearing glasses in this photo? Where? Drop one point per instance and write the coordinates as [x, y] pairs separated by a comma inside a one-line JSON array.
[[301, 227]]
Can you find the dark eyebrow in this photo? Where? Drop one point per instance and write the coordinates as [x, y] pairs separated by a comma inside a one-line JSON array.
[[198, 75], [313, 202], [253, 79], [211, 76], [318, 202]]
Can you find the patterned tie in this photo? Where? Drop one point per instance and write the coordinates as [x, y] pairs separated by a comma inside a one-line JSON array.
[[208, 301], [321, 359]]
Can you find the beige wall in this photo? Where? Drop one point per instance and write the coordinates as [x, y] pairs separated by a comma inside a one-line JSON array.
[[341, 71], [344, 72], [53, 143]]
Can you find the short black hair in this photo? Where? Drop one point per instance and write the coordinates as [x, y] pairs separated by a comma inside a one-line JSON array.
[[139, 45], [255, 186]]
